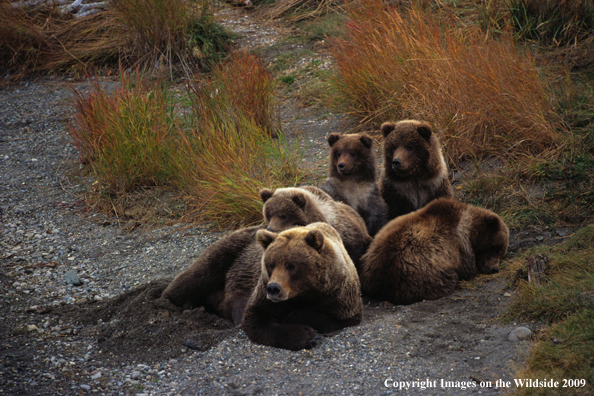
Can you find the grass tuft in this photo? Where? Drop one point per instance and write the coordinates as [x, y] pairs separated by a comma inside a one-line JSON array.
[[218, 152], [487, 99]]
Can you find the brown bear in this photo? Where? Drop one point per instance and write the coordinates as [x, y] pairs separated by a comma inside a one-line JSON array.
[[415, 172], [223, 277], [423, 255], [299, 206], [308, 285], [352, 178]]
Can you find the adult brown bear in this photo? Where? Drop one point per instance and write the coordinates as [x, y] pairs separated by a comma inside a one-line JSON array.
[[308, 285]]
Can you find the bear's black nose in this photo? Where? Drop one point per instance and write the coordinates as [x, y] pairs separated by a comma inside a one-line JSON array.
[[273, 289], [495, 270], [341, 166], [396, 163]]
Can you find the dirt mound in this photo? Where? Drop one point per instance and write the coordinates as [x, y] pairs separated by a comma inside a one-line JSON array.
[[140, 325]]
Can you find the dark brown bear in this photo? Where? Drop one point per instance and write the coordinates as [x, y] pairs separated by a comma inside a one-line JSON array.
[[308, 285], [286, 207], [423, 255], [222, 279], [352, 178], [415, 172]]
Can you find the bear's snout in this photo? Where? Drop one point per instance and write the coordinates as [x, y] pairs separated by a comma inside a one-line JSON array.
[[494, 270], [273, 290], [396, 163], [341, 166]]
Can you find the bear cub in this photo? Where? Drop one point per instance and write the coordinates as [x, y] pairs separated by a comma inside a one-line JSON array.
[[299, 206], [423, 255], [414, 170], [352, 178], [308, 285]]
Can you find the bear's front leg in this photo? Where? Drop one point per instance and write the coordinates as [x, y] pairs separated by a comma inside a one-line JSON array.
[[263, 327]]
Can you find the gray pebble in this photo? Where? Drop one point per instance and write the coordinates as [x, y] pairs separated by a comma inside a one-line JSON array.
[[519, 333], [72, 278]]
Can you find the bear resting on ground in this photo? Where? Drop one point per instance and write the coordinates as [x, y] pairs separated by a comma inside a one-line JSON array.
[[299, 206], [415, 172], [423, 255], [352, 178], [308, 285]]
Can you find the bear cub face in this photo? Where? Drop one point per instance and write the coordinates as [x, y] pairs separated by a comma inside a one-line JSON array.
[[490, 239], [285, 209], [351, 155], [408, 147], [290, 275]]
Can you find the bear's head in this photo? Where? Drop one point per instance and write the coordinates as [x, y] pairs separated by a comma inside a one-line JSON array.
[[489, 237], [411, 150], [352, 156], [294, 261], [288, 207]]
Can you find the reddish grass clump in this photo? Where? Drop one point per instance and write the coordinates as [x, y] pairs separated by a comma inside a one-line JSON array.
[[484, 96]]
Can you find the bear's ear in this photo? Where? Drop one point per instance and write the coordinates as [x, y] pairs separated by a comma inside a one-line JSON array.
[[300, 199], [492, 222], [315, 239], [425, 131], [366, 140], [265, 194], [333, 138], [265, 238], [387, 128]]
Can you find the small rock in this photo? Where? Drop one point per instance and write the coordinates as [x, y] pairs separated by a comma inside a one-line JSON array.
[[96, 375], [72, 278], [136, 375], [85, 387], [31, 328], [519, 333]]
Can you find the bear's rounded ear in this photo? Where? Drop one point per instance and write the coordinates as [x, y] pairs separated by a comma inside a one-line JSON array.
[[265, 238], [492, 221], [265, 194], [425, 131], [366, 140], [333, 138], [387, 128], [300, 199], [315, 239]]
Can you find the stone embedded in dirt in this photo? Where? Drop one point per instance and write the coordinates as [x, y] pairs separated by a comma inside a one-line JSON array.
[[72, 278], [519, 333]]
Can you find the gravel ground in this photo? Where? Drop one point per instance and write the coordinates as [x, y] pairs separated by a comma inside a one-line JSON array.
[[80, 312]]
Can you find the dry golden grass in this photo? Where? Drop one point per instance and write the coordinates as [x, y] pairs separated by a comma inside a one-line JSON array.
[[485, 96]]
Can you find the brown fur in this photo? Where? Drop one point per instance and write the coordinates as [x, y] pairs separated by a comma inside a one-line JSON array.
[[308, 285], [222, 279], [423, 255], [287, 207], [415, 172], [352, 178]]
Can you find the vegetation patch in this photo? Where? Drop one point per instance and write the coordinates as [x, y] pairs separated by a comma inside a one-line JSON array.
[[154, 35], [566, 351], [218, 151]]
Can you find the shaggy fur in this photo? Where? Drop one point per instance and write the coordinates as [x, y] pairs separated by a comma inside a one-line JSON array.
[[423, 255], [415, 172], [288, 207], [308, 285], [352, 178], [222, 279]]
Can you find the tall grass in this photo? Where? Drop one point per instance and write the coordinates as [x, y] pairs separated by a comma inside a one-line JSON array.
[[126, 135], [218, 150], [229, 154], [155, 35], [486, 97]]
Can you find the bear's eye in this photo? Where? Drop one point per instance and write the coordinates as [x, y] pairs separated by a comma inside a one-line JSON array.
[[282, 217], [290, 267], [409, 147]]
